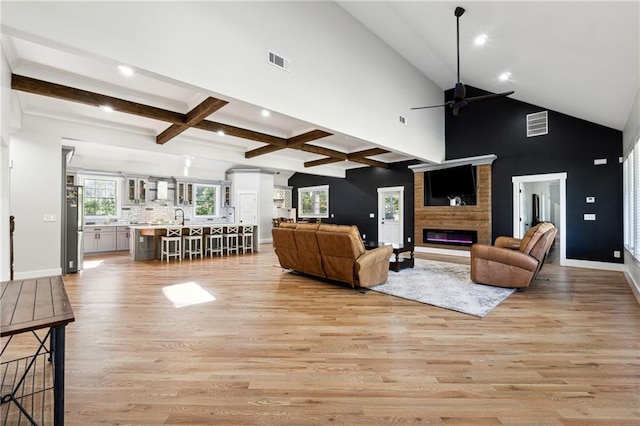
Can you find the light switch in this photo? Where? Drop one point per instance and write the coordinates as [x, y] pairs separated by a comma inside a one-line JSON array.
[[591, 200], [50, 217], [599, 161], [372, 215], [589, 216]]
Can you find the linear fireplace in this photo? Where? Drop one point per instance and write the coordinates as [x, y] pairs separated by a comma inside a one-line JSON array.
[[449, 237]]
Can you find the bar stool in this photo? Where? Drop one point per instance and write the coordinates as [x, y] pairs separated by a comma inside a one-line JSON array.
[[231, 239], [247, 238], [214, 241], [193, 242], [174, 235]]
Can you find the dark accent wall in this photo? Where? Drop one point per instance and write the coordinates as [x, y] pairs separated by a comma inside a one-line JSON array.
[[499, 127], [352, 199]]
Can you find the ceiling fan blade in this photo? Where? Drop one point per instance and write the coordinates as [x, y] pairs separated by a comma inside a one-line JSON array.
[[483, 98], [435, 106]]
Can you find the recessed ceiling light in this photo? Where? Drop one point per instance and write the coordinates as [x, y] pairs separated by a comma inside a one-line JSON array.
[[505, 76], [125, 70], [480, 40], [106, 108], [265, 113], [220, 133]]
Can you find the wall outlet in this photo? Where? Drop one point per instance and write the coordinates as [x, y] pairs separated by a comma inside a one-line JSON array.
[[408, 239], [372, 215], [589, 216], [591, 200], [364, 236], [616, 254], [332, 215]]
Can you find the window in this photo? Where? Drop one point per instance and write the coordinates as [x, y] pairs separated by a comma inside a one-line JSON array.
[[206, 202], [631, 199], [313, 201], [100, 197]]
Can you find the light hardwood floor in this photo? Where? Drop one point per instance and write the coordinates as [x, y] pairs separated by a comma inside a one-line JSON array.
[[275, 348]]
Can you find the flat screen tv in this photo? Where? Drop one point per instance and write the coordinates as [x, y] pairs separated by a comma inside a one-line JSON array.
[[452, 182]]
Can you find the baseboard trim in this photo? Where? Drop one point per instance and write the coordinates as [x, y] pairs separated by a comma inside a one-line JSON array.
[[590, 264], [37, 274], [448, 252]]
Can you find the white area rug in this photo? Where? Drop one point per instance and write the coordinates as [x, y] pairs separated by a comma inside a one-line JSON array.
[[446, 285]]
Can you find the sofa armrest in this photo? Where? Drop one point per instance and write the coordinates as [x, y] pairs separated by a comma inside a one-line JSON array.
[[372, 267], [508, 242], [501, 266]]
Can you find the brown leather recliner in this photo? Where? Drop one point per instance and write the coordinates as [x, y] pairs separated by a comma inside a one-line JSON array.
[[512, 262]]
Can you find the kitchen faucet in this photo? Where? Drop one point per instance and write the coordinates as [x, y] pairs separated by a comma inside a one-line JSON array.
[[182, 216]]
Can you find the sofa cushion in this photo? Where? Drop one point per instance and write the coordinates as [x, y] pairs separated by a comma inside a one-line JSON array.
[[356, 246], [308, 254]]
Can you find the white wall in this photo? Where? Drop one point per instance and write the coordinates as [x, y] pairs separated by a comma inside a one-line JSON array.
[[35, 191], [343, 78], [630, 136], [5, 92]]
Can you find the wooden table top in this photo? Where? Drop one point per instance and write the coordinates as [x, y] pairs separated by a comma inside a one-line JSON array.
[[27, 305]]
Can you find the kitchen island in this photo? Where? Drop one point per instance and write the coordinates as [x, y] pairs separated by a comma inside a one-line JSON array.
[[144, 241]]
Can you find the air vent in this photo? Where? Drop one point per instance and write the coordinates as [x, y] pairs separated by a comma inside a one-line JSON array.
[[278, 61], [402, 120], [537, 124]]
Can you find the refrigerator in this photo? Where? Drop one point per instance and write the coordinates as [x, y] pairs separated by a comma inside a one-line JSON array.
[[74, 250]]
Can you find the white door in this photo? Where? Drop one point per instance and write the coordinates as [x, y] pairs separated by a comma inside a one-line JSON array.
[[247, 208], [390, 215]]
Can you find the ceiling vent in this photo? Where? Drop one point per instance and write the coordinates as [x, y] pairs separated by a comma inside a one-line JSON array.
[[278, 61], [537, 124]]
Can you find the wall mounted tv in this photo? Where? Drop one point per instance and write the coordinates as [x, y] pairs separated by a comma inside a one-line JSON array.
[[443, 184]]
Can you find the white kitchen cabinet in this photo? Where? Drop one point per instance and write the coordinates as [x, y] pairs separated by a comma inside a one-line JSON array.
[[184, 193], [99, 238], [122, 238], [136, 190]]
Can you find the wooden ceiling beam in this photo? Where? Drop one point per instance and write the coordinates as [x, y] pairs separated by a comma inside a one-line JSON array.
[[367, 153], [58, 91], [293, 143], [239, 132], [322, 161], [196, 115], [195, 119]]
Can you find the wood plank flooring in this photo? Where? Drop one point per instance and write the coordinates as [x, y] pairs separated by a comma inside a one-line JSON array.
[[275, 348]]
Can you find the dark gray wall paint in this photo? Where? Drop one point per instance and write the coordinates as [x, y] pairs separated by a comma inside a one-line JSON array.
[[353, 198], [499, 127]]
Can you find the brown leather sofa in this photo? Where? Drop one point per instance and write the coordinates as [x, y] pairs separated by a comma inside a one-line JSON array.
[[335, 252], [512, 262]]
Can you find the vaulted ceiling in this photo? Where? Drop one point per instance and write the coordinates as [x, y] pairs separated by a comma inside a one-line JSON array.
[[577, 58]]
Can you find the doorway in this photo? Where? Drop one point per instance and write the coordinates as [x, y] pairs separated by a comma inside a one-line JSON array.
[[391, 215], [540, 198]]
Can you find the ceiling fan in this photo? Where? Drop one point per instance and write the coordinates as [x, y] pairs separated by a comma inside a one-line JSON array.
[[459, 91]]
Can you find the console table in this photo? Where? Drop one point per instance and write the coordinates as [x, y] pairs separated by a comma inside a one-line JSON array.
[[396, 263], [28, 306]]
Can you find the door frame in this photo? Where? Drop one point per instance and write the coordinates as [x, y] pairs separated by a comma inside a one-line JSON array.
[[381, 192], [561, 178]]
